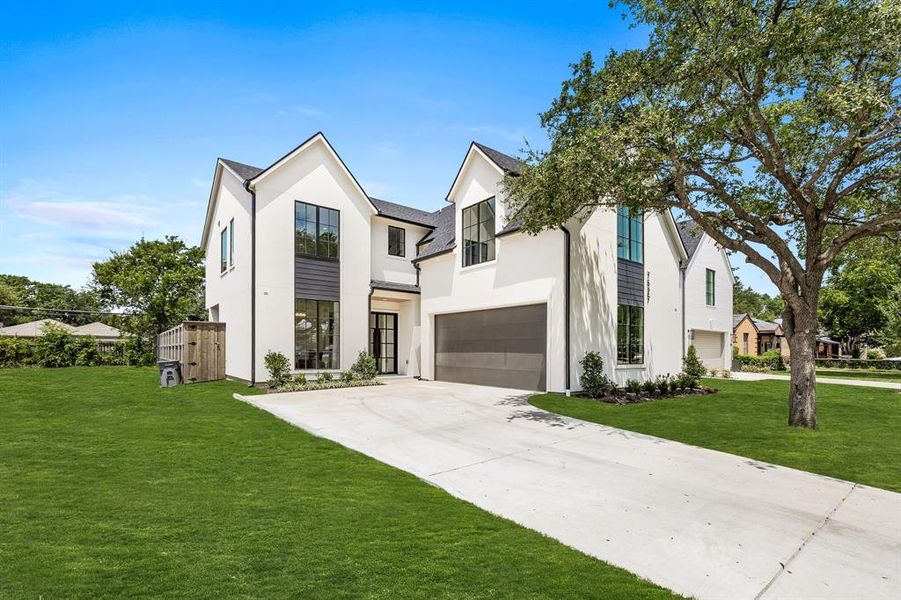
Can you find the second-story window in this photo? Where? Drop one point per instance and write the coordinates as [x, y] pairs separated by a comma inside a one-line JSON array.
[[478, 233], [231, 243], [397, 239], [629, 235], [711, 287], [223, 250], [316, 231]]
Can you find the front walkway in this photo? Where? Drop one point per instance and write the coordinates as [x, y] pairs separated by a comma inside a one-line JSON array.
[[889, 385], [700, 522]]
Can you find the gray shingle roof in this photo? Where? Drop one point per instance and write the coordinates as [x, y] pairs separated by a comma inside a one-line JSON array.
[[246, 171], [394, 286], [404, 213], [504, 161], [441, 239], [691, 233]]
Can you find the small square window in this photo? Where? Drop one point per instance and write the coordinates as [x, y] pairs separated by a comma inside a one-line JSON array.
[[397, 239]]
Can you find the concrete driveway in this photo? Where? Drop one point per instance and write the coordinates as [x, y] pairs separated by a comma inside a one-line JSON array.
[[699, 522]]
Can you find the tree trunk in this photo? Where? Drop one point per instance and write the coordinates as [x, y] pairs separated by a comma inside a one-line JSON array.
[[801, 335]]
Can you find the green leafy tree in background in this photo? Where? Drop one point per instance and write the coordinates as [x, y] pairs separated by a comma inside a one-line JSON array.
[[160, 280], [756, 304], [774, 125], [22, 291], [861, 300]]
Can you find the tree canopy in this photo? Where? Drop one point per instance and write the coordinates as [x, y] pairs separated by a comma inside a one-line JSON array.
[[757, 304], [773, 124], [17, 290], [162, 280]]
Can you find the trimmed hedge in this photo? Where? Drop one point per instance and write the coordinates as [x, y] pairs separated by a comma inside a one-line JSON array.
[[771, 360], [858, 363], [62, 349]]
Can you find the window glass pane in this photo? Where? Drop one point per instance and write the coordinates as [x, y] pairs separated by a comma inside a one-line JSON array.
[[622, 335], [636, 335], [305, 319], [396, 241], [231, 242], [478, 233], [223, 250], [305, 229]]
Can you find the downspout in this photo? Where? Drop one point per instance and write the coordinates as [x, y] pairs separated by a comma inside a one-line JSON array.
[[566, 302], [682, 267], [253, 282]]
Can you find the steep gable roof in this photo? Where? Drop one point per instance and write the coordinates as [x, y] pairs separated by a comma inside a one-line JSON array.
[[502, 162], [245, 172], [691, 234], [441, 239], [393, 210]]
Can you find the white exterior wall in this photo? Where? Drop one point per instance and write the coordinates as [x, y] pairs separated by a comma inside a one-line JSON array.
[[316, 177], [408, 314], [697, 314], [527, 270], [594, 298], [230, 291], [394, 268]]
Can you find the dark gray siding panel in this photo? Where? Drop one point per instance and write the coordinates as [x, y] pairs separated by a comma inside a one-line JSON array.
[[630, 282], [316, 279], [504, 347]]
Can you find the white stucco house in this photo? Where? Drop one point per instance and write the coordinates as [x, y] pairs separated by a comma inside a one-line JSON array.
[[302, 261], [708, 297]]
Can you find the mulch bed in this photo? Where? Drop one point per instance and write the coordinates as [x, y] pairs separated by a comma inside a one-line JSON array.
[[626, 397]]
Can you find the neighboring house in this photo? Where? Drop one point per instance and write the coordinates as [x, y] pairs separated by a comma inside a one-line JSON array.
[[101, 331], [300, 260], [756, 336], [32, 329], [708, 297]]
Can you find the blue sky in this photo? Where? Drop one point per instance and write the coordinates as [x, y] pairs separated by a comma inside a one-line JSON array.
[[112, 114]]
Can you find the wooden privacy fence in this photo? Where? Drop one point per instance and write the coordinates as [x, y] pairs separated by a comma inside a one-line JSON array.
[[198, 346]]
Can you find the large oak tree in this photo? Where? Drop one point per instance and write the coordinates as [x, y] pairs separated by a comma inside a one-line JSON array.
[[773, 124]]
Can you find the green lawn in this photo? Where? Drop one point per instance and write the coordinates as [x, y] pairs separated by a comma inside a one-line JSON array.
[[864, 374], [857, 439], [112, 487]]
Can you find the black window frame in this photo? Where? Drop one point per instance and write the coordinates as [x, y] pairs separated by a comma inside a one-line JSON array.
[[313, 355], [630, 334], [476, 250], [710, 287], [321, 222], [627, 226], [223, 250], [231, 243], [400, 251]]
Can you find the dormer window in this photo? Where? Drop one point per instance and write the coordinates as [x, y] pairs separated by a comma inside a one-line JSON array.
[[397, 240], [478, 233]]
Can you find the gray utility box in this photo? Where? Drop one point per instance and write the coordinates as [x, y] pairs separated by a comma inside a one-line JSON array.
[[170, 373]]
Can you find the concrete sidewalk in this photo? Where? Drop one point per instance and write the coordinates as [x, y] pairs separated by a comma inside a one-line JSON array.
[[888, 385], [700, 522]]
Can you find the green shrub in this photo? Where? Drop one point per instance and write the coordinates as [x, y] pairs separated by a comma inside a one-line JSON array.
[[299, 379], [364, 367], [692, 365], [649, 386], [86, 351], [324, 377], [771, 360], [54, 347], [594, 383], [684, 381], [633, 385], [857, 363], [875, 354], [279, 368], [15, 352], [347, 376], [661, 383]]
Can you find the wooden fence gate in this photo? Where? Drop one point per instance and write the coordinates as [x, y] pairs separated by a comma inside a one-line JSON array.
[[199, 346]]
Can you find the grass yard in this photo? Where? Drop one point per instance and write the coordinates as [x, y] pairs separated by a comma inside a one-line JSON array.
[[864, 374], [113, 487], [857, 440]]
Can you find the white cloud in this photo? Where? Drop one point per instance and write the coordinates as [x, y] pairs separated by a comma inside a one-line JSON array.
[[90, 215]]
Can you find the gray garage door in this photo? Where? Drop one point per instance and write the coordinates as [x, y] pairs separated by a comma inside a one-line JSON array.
[[504, 347]]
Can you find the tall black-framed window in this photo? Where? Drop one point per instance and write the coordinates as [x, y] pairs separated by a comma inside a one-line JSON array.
[[316, 334], [397, 240], [231, 243], [478, 233], [223, 250], [629, 234], [630, 335], [711, 287], [316, 231]]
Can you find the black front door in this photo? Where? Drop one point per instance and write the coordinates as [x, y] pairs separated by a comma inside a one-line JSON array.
[[383, 341]]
